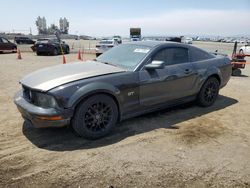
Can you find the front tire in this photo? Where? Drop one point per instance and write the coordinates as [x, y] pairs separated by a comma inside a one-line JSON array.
[[236, 72], [67, 51], [14, 50], [95, 117], [209, 92]]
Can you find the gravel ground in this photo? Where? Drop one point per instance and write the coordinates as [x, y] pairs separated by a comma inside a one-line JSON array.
[[185, 146]]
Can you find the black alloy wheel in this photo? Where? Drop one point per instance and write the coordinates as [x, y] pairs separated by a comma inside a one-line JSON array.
[[95, 117], [98, 116], [209, 92]]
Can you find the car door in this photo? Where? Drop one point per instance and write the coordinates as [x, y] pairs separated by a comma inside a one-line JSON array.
[[173, 82], [6, 45]]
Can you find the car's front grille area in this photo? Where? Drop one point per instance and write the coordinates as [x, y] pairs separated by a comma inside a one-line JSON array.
[[27, 94]]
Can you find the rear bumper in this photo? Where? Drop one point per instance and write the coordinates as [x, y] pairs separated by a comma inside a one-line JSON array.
[[39, 117], [45, 50]]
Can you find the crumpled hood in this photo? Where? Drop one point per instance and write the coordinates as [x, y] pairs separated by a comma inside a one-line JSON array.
[[51, 77]]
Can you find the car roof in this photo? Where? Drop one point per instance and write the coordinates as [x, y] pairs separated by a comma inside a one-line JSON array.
[[153, 44]]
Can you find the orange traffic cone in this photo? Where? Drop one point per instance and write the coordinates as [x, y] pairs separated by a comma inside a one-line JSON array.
[[79, 55], [64, 60], [19, 56]]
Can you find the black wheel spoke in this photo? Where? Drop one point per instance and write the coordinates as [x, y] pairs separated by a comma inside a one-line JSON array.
[[210, 92], [98, 116]]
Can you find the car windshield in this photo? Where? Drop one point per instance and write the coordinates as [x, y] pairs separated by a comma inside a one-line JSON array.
[[42, 40], [46, 41], [127, 56]]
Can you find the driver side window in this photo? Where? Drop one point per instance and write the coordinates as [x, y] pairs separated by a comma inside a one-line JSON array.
[[172, 56]]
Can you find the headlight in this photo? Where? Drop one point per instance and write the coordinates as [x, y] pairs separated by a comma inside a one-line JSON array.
[[44, 100]]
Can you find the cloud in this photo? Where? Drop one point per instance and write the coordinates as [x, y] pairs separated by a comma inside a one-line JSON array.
[[176, 22]]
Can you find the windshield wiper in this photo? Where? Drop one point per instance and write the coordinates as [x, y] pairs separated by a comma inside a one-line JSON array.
[[107, 63]]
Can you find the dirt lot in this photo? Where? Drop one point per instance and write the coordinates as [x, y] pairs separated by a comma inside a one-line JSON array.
[[185, 146]]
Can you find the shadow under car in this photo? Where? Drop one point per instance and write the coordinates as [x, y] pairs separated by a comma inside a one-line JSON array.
[[64, 139]]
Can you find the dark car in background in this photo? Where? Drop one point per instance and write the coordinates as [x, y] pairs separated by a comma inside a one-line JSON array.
[[23, 40], [50, 46], [7, 46], [126, 81]]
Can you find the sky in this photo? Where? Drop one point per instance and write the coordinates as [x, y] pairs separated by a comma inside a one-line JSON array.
[[115, 17]]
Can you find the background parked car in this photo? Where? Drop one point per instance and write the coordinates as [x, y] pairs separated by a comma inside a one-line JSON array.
[[118, 39], [245, 49], [50, 47], [23, 40], [7, 46], [187, 40], [104, 45]]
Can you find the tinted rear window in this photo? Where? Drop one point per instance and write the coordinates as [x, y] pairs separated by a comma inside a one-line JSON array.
[[200, 55]]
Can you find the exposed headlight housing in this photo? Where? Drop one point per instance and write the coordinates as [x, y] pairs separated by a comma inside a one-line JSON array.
[[44, 100]]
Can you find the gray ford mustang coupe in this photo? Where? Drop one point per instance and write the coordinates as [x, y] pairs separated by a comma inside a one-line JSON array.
[[126, 81]]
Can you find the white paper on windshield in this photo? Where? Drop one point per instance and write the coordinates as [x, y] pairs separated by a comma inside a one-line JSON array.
[[140, 50]]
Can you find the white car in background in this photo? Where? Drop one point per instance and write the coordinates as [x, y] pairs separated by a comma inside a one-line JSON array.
[[186, 40], [245, 49], [118, 39], [104, 45]]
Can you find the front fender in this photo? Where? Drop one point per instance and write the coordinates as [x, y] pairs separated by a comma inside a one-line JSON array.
[[90, 89]]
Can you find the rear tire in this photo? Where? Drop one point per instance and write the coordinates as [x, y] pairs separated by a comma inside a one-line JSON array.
[[209, 92], [67, 50], [241, 52], [95, 117], [55, 52], [236, 72]]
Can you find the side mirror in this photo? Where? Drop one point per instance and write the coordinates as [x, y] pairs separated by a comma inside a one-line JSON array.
[[155, 65]]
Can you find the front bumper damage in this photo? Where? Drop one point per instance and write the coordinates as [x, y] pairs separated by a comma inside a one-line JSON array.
[[42, 117]]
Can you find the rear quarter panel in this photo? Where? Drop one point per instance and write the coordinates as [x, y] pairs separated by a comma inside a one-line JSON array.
[[219, 65]]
